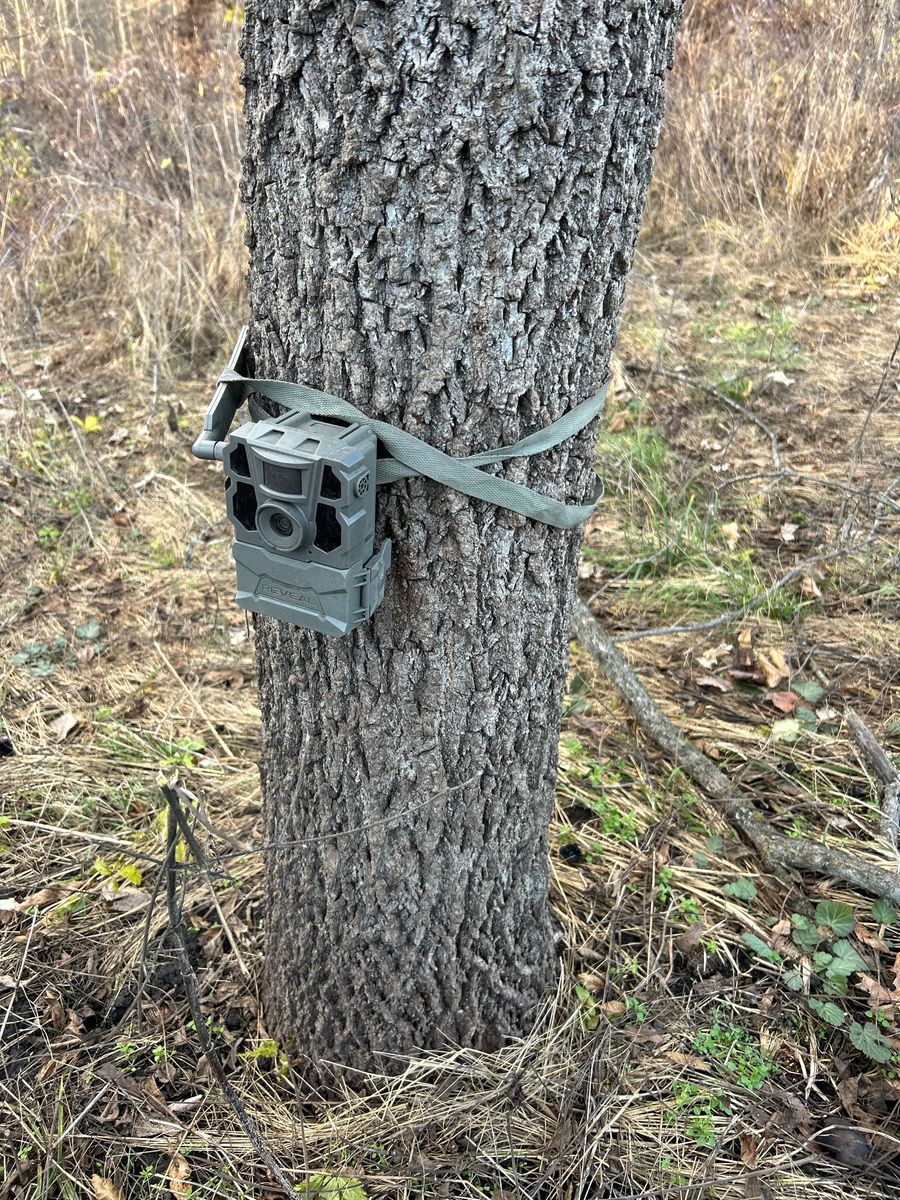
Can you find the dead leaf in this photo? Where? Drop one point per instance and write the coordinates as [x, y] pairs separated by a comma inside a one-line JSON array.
[[870, 939], [618, 421], [54, 1009], [104, 1189], [48, 895], [153, 1092], [710, 749], [63, 726], [713, 655], [123, 899], [74, 1024], [688, 941], [785, 702], [786, 729], [731, 533], [773, 666], [809, 588], [749, 1149], [687, 1060], [878, 993], [648, 1037], [613, 1010], [119, 435], [794, 1115], [742, 655], [226, 678], [591, 981], [178, 1174], [848, 1093], [8, 910], [591, 725], [780, 936], [787, 531], [714, 681], [779, 378]]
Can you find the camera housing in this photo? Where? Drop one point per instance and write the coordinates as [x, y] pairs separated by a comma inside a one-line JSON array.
[[301, 498]]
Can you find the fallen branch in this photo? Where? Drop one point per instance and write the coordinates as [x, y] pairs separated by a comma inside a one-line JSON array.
[[878, 760], [774, 848]]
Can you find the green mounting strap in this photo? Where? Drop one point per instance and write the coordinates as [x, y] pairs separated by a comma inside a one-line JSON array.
[[411, 456]]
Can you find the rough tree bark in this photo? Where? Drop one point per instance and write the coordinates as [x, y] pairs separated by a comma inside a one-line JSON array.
[[442, 202]]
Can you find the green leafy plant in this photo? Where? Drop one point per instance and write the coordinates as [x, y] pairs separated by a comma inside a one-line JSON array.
[[869, 1040], [590, 1011], [741, 889], [755, 943], [839, 918], [48, 536], [884, 913], [40, 658], [698, 1107], [664, 885], [833, 958], [635, 1010], [332, 1187], [735, 1051], [269, 1049]]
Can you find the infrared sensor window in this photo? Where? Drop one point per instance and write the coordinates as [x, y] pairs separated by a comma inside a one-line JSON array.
[[286, 480]]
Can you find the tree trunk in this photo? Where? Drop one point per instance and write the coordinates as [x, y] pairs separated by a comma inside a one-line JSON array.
[[442, 202]]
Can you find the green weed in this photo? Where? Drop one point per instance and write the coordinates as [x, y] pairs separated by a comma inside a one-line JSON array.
[[735, 1054], [698, 1108]]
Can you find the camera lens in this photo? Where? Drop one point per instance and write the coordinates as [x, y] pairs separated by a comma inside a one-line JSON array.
[[283, 527]]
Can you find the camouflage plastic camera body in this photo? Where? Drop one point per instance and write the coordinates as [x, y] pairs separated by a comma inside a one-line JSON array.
[[301, 498]]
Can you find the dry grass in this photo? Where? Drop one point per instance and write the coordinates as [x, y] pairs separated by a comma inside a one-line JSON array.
[[783, 117], [674, 1061], [119, 162]]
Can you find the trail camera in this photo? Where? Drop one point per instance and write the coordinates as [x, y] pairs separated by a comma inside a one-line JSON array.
[[301, 497]]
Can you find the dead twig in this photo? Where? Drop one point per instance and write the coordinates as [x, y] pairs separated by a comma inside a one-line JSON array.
[[774, 848], [175, 794], [176, 823], [889, 775]]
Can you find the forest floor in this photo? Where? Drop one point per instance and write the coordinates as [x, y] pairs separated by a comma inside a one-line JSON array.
[[719, 1030]]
